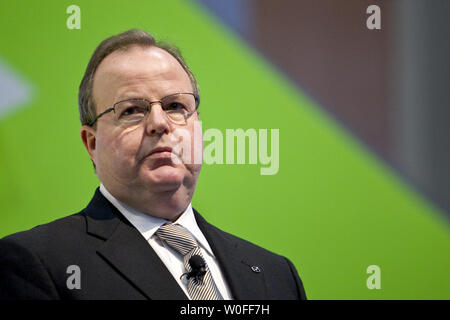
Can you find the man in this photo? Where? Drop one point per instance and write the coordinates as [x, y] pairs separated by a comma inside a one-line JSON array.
[[139, 237]]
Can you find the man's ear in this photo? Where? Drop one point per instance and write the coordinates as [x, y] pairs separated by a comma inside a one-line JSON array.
[[88, 136]]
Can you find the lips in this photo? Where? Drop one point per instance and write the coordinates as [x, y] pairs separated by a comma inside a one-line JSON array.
[[160, 149]]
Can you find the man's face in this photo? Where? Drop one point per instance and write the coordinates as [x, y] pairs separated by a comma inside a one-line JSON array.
[[160, 184]]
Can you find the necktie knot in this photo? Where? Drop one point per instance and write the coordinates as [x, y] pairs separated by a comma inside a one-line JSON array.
[[177, 237]]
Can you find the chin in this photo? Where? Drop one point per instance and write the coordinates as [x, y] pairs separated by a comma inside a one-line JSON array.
[[171, 210], [165, 178]]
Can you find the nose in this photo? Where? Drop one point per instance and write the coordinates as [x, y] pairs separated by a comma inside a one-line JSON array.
[[157, 122]]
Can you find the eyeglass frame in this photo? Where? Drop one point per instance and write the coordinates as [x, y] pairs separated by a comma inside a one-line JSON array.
[[196, 97]]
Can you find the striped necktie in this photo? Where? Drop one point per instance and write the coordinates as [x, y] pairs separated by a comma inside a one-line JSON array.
[[179, 238]]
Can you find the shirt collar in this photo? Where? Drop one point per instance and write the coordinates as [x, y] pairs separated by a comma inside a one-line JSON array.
[[147, 225]]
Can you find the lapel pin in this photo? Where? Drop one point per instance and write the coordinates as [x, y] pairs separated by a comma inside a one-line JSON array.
[[256, 269]]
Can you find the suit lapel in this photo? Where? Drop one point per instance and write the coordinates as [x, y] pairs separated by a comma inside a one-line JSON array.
[[243, 281], [129, 253], [133, 257]]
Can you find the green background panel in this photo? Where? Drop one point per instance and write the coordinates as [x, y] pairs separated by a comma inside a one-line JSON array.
[[333, 208]]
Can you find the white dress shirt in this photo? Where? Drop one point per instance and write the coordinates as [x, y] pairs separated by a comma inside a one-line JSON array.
[[148, 225]]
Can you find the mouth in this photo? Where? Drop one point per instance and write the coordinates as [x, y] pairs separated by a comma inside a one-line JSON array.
[[162, 156], [160, 150]]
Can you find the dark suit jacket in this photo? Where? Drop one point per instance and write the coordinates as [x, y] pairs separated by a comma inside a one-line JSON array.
[[116, 262]]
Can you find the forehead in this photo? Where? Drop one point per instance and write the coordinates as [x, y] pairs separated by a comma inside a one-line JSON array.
[[144, 68]]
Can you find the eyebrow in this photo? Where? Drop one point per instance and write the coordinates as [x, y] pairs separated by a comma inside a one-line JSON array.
[[126, 97], [131, 96]]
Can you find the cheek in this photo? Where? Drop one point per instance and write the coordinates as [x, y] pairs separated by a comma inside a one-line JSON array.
[[117, 154]]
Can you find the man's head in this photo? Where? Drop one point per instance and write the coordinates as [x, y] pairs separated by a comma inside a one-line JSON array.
[[132, 66]]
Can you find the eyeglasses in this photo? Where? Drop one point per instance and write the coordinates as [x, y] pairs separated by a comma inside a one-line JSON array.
[[178, 107]]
